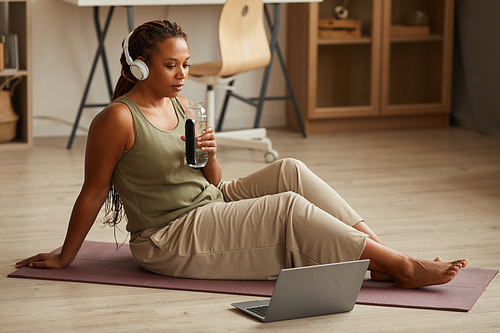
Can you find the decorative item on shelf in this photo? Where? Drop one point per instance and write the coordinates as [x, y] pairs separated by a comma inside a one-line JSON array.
[[417, 18], [8, 116], [341, 12], [341, 25], [417, 23], [349, 28]]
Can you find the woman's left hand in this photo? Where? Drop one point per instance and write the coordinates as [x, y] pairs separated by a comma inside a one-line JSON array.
[[212, 170], [206, 141]]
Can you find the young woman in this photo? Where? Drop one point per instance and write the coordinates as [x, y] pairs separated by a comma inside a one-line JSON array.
[[186, 222]]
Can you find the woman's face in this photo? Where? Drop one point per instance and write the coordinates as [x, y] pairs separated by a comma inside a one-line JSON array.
[[169, 67]]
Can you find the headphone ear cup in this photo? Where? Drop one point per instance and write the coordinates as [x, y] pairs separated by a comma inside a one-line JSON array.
[[139, 69]]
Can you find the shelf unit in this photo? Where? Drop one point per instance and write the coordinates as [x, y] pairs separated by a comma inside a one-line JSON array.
[[19, 22], [378, 80]]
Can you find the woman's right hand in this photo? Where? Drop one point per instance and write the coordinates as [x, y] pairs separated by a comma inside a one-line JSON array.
[[43, 260]]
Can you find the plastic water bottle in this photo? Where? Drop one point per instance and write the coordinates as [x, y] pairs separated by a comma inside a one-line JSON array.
[[195, 124]]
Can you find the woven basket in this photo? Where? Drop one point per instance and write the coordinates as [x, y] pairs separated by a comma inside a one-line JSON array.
[[8, 117]]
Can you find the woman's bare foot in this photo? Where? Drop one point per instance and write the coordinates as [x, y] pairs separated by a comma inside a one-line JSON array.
[[408, 272], [421, 273], [381, 277]]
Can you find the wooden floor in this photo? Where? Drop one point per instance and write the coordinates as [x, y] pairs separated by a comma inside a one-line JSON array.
[[425, 192]]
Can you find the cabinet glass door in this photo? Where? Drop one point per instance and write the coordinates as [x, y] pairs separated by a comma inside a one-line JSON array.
[[415, 59], [347, 65]]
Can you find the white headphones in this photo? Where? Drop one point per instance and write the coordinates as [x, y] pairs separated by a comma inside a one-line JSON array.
[[138, 67]]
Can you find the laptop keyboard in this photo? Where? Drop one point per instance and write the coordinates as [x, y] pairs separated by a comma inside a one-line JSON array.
[[259, 310]]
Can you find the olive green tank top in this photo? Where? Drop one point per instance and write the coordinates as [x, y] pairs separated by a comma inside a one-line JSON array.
[[154, 182]]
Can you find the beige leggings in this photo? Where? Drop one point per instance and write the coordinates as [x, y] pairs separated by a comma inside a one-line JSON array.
[[281, 216]]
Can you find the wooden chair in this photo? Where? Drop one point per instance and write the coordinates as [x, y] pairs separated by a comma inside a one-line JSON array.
[[243, 46]]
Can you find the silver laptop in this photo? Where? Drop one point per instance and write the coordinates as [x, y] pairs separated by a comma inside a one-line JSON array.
[[310, 291]]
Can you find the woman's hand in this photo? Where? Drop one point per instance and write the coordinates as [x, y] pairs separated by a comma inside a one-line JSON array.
[[212, 171], [206, 141], [43, 260]]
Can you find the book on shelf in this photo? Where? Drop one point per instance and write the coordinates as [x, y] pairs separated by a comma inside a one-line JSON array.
[[10, 54], [2, 48]]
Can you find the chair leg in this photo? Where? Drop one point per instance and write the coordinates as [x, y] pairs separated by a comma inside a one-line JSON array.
[[210, 105], [255, 138], [224, 106]]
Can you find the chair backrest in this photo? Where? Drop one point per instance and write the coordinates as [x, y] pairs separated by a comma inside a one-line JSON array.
[[242, 37]]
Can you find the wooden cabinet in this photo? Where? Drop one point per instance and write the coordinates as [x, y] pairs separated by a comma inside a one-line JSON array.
[[18, 18], [393, 76]]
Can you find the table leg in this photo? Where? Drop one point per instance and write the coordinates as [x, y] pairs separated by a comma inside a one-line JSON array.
[[100, 53], [130, 17], [274, 46]]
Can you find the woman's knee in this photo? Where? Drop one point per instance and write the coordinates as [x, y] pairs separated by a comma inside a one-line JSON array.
[[291, 167], [292, 174], [292, 164], [295, 203]]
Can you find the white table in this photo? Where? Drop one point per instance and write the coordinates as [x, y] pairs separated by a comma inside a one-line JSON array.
[[93, 3], [129, 4]]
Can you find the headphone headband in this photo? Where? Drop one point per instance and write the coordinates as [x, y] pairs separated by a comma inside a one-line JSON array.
[[138, 67], [128, 58]]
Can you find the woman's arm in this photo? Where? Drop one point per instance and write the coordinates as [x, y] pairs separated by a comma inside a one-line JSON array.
[[110, 134]]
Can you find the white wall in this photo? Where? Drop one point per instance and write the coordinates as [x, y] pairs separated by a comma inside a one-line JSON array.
[[64, 45]]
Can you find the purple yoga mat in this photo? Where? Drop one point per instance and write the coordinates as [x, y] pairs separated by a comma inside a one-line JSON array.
[[98, 262]]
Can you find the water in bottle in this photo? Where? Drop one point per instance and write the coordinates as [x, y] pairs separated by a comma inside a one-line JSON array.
[[195, 124]]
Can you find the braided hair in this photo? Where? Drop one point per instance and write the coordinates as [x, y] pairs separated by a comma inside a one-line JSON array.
[[144, 41]]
